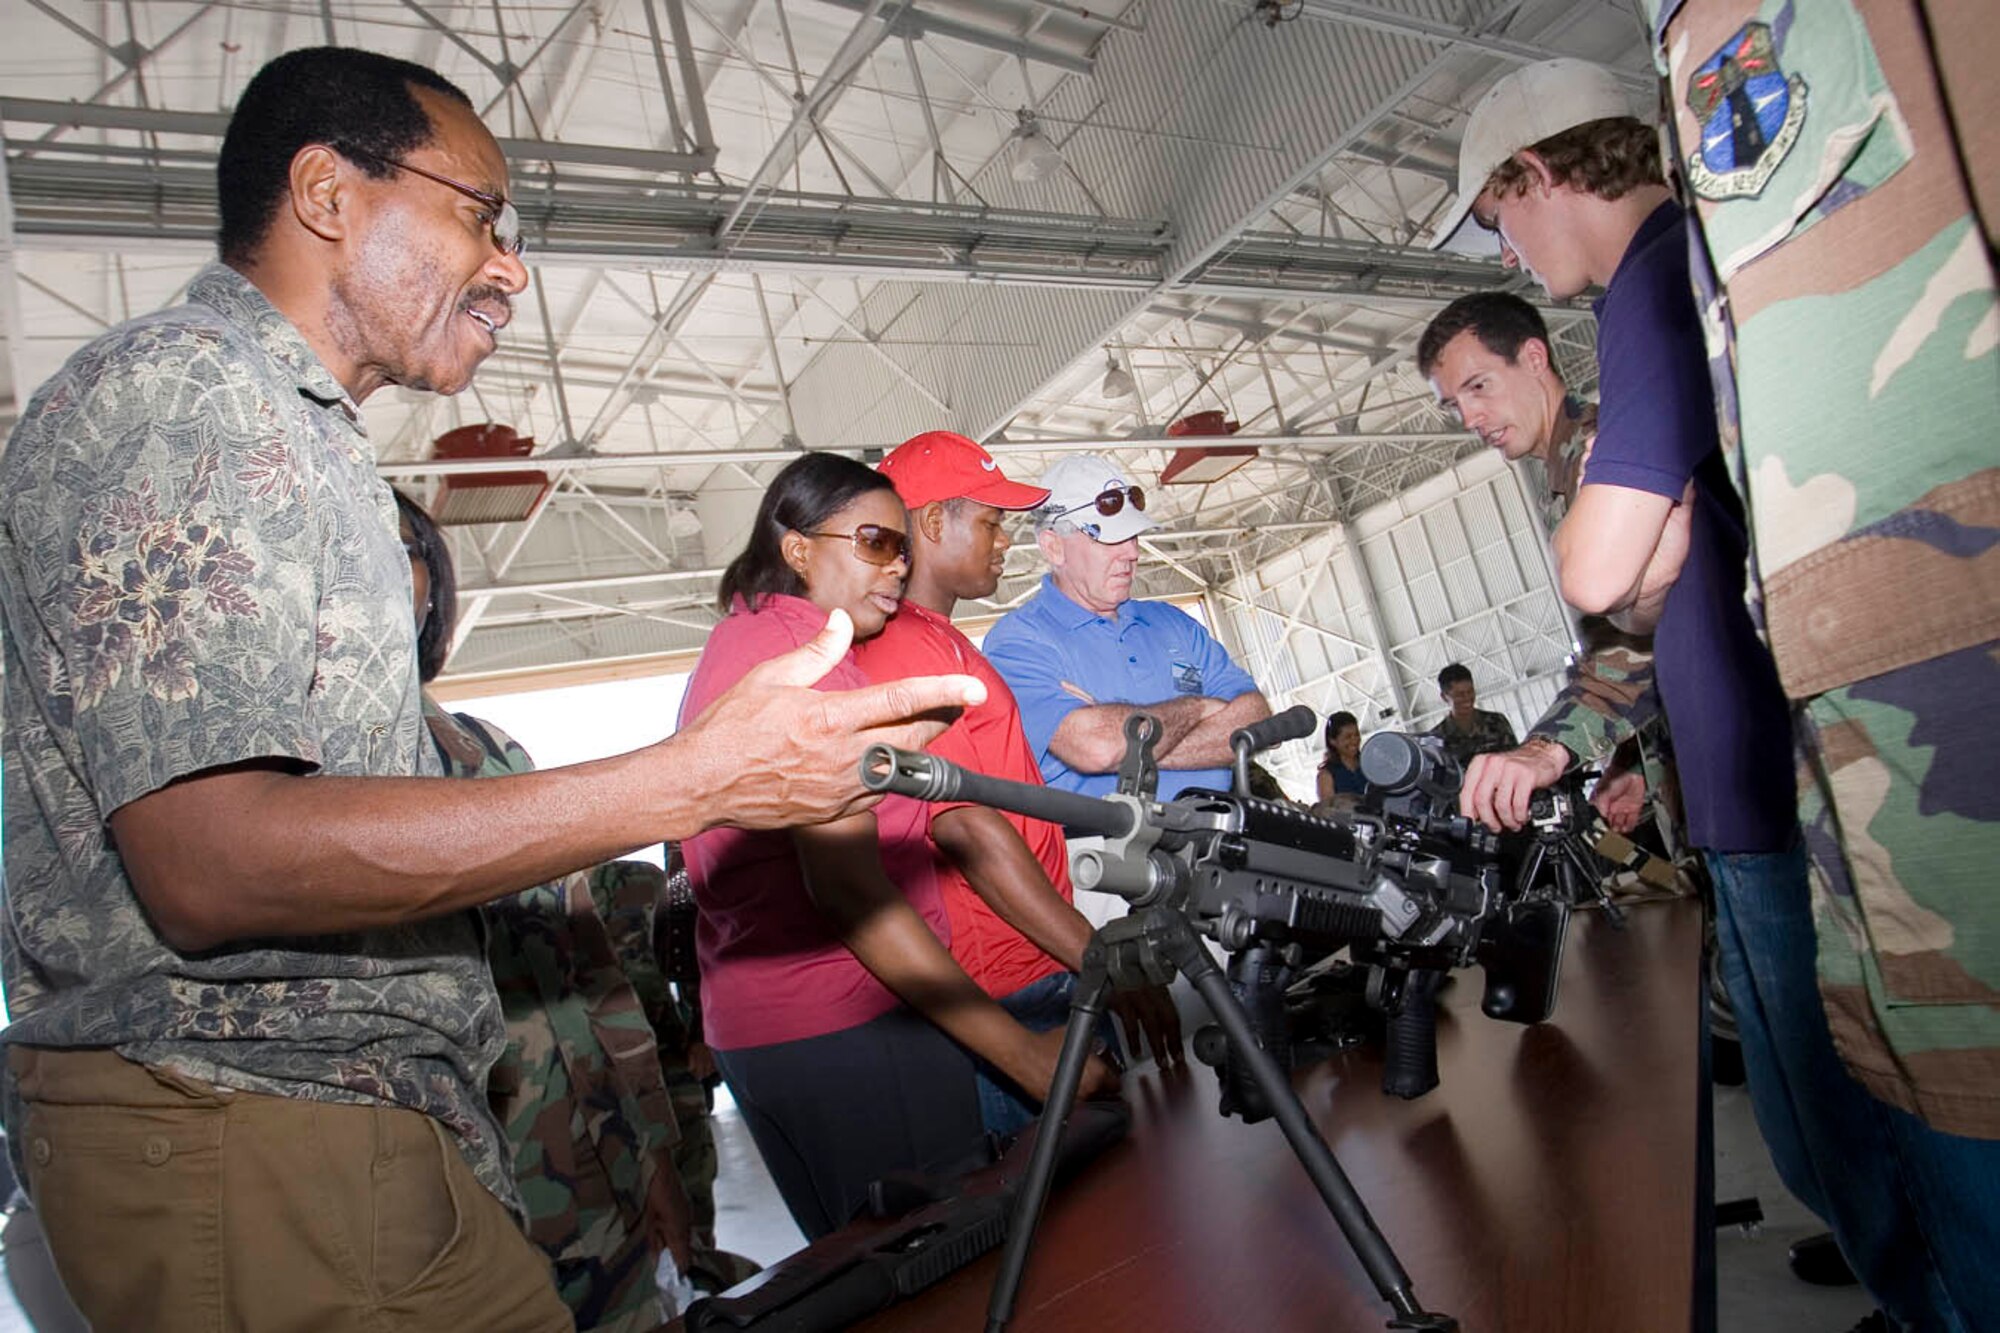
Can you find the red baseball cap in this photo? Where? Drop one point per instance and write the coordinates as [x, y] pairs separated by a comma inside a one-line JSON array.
[[943, 465]]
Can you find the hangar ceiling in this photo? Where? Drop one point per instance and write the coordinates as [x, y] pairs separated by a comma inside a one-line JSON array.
[[758, 226]]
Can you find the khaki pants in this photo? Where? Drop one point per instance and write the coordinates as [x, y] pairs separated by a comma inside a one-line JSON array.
[[172, 1206]]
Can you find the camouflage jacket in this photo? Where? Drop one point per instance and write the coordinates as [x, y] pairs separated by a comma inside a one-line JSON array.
[[1609, 696], [199, 567], [651, 916], [633, 899], [1849, 290], [578, 1089], [1489, 731]]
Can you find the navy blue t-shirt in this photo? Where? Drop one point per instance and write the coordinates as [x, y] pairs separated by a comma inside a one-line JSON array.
[[1656, 429]]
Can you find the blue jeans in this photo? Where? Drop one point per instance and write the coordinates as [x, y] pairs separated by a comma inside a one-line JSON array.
[[1916, 1212], [1039, 1006]]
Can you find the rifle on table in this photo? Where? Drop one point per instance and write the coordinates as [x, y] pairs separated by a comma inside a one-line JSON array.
[[915, 1232]]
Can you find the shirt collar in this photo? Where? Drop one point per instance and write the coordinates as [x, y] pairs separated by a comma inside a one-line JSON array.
[[237, 299], [1068, 614], [793, 612], [917, 611], [1662, 219], [1572, 412]]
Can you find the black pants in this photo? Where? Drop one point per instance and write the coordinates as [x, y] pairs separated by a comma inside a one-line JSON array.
[[830, 1114]]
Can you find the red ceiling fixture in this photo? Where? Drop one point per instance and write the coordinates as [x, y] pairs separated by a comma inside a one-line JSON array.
[[1194, 465], [487, 497]]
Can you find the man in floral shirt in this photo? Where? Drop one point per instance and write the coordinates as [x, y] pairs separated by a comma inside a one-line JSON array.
[[252, 1016]]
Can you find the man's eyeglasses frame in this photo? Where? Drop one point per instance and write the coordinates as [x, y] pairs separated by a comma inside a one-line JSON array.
[[506, 224]]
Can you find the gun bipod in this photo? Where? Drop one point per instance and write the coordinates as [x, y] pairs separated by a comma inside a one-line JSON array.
[[1148, 947]]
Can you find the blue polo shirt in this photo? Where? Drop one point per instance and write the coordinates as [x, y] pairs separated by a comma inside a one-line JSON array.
[[1655, 430], [1052, 651]]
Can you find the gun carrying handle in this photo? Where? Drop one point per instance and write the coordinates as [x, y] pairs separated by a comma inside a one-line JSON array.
[[1410, 1065], [1139, 771]]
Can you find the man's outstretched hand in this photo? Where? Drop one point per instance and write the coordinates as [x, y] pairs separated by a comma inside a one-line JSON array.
[[1498, 786], [775, 753]]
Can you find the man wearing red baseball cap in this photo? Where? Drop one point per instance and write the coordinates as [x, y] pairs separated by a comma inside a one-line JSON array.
[[1005, 877]]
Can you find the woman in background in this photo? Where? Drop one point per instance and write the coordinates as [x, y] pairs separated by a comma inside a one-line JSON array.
[[1340, 780], [837, 1016]]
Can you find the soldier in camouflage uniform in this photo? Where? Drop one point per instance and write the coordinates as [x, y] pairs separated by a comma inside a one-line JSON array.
[[1842, 163], [650, 915], [1477, 731], [577, 1089]]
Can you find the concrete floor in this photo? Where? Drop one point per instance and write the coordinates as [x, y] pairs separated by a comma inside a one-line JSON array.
[[1756, 1293]]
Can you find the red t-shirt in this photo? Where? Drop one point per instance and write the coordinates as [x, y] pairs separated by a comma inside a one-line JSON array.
[[987, 739], [772, 968]]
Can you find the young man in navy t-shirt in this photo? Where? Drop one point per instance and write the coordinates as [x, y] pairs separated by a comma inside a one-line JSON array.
[[1555, 164]]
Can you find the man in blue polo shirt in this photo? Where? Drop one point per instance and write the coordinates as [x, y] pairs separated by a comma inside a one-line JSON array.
[[1571, 182], [1082, 656]]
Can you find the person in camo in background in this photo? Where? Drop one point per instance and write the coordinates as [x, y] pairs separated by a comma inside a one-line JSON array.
[[651, 916], [1467, 730], [577, 1090], [1844, 264]]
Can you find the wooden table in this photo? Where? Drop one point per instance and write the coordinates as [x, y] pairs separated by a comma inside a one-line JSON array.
[[1557, 1180]]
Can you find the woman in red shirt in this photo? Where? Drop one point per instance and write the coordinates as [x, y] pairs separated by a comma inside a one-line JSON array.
[[836, 1012]]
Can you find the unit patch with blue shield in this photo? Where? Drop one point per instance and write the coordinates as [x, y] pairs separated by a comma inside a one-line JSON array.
[[1749, 111]]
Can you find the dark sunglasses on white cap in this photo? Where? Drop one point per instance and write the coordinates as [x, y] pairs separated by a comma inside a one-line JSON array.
[[1110, 501]]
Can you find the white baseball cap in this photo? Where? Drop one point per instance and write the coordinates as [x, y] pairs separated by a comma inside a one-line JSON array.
[[1534, 103], [1078, 482]]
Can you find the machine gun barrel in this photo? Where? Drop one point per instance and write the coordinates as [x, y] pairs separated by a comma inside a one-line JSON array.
[[925, 777]]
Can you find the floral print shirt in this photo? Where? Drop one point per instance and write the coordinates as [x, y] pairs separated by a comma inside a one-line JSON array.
[[199, 566]]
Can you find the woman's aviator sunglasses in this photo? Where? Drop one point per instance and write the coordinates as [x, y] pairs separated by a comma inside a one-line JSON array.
[[873, 543], [1110, 500]]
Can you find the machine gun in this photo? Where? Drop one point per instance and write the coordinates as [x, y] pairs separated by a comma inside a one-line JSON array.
[[1411, 888], [1407, 885]]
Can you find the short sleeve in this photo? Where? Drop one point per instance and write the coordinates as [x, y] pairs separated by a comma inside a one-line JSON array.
[[1656, 408], [744, 639], [1221, 677], [1034, 670], [184, 608]]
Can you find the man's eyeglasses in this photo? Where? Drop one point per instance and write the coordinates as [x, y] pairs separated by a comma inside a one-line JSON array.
[[1111, 500], [873, 543], [503, 218]]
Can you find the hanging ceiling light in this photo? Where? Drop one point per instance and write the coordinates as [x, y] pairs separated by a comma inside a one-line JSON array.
[[488, 497], [1035, 158], [1194, 465], [1117, 380]]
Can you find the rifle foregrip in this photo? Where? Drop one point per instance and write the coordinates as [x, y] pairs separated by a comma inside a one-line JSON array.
[[1258, 977], [1410, 1065]]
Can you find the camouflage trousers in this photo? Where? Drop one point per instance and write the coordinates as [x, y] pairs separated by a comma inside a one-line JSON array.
[[696, 1161]]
